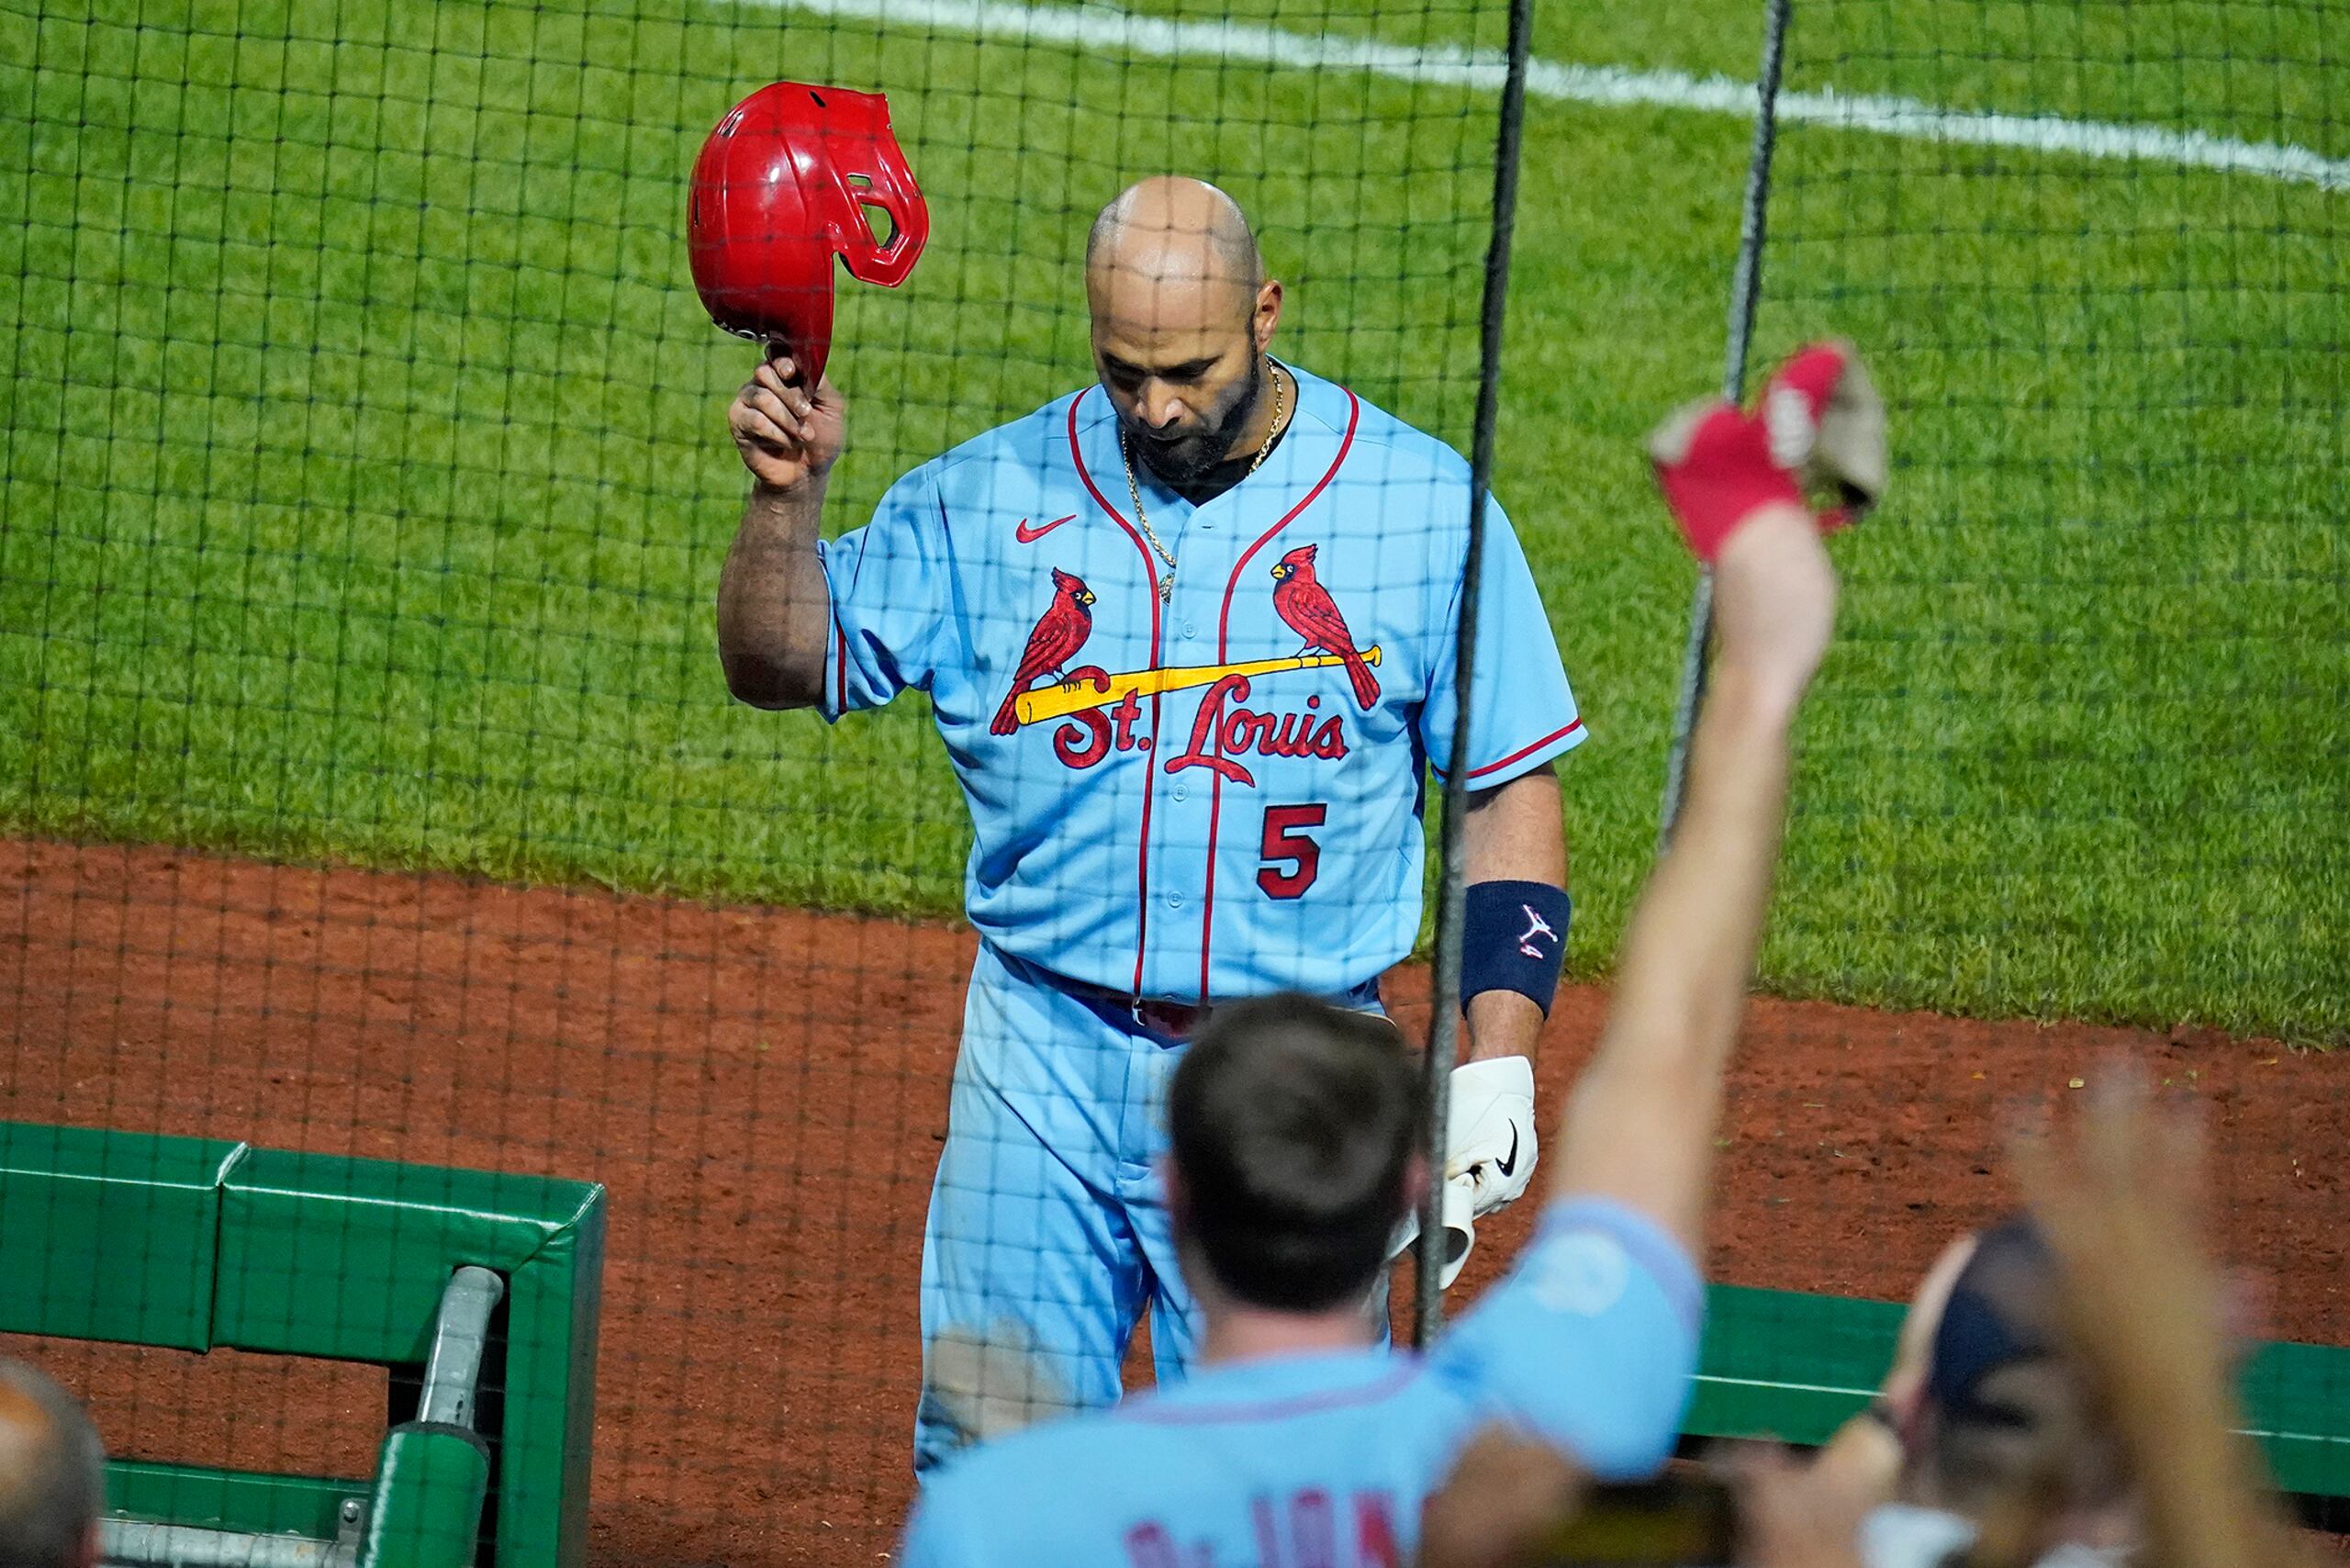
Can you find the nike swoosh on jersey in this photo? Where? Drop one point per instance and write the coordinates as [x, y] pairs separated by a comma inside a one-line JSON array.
[[1508, 1168], [1027, 535]]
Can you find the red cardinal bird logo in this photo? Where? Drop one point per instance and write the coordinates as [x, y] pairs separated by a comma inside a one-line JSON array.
[[1067, 622], [1305, 605]]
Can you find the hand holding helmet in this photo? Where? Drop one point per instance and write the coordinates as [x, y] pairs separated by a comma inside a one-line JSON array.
[[786, 434]]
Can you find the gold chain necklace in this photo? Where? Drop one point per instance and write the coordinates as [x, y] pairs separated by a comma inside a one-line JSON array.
[[1134, 490]]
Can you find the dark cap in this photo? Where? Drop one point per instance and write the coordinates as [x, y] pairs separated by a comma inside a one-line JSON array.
[[2001, 1312]]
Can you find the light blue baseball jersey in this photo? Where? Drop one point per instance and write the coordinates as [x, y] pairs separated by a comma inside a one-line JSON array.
[[1221, 793], [1589, 1344]]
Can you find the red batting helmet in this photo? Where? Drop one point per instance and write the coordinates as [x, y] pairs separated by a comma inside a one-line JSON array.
[[780, 188]]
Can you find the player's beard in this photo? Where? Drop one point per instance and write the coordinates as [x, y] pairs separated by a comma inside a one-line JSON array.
[[1187, 457]]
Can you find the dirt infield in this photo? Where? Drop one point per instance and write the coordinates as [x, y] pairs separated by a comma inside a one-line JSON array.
[[764, 1092]]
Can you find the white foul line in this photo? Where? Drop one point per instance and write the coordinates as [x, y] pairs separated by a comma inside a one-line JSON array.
[[1108, 29]]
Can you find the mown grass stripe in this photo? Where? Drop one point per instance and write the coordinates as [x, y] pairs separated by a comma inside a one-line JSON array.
[[1104, 27]]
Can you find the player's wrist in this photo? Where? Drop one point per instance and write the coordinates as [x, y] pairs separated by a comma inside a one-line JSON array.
[[805, 491], [1775, 604], [1513, 941], [1502, 1024], [1752, 698], [1750, 540]]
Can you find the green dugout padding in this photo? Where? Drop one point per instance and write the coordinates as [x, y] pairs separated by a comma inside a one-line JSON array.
[[109, 1235], [436, 1478], [231, 1499], [326, 1256], [1796, 1366], [196, 1243]]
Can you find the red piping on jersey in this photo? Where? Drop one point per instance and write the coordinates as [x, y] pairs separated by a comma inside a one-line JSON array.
[[1150, 576], [1524, 751], [1223, 654], [1274, 1409], [840, 671]]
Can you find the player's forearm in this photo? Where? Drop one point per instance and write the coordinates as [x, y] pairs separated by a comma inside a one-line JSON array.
[[1690, 950], [1640, 1125], [1516, 832], [774, 611], [1512, 832]]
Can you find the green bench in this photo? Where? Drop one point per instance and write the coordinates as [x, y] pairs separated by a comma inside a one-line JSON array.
[[1798, 1366], [479, 1290]]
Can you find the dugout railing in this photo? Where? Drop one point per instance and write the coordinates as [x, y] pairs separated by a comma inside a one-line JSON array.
[[477, 1290]]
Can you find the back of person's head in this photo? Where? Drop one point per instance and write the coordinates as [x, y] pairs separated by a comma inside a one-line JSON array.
[[2006, 1421], [1293, 1125], [53, 1480]]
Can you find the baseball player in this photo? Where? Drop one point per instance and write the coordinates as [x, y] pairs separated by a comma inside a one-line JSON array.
[[1299, 1439], [1189, 636]]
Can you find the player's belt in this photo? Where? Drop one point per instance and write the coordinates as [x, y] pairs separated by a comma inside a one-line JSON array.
[[1176, 1020], [1181, 1020]]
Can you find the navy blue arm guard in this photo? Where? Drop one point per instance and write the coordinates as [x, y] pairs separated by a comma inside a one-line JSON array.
[[1514, 937]]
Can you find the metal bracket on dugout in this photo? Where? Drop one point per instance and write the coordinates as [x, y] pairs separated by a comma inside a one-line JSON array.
[[477, 1290], [419, 1510]]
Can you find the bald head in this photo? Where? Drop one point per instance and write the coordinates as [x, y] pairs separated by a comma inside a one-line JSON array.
[[1183, 312], [1172, 232], [52, 1474]]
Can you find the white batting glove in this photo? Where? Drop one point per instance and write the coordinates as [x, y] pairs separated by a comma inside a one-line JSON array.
[[1490, 1130], [1489, 1153], [1460, 1231]]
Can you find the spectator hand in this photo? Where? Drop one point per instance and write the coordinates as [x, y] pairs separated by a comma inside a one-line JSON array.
[[1505, 1494]]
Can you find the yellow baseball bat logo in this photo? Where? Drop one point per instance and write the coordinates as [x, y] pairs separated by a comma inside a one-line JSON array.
[[1047, 702]]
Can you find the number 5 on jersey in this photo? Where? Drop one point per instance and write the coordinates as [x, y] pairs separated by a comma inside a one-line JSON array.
[[1286, 844]]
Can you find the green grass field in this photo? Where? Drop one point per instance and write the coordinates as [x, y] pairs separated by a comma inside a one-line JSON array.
[[366, 485]]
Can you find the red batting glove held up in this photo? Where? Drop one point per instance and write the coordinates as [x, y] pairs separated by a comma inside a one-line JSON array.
[[1821, 423], [1714, 466]]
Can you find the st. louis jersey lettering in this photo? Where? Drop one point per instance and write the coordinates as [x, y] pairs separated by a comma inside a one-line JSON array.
[[1220, 794]]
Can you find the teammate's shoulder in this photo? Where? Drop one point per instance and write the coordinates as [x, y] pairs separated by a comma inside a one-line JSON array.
[[1587, 1251], [1373, 429], [1010, 1466], [1023, 1476]]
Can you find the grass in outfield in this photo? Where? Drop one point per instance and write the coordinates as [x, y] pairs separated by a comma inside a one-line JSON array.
[[366, 490]]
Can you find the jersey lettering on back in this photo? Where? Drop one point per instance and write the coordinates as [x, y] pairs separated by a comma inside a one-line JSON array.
[[1305, 1529]]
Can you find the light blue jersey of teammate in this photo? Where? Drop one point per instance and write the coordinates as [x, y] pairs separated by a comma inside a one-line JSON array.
[[1217, 794], [1325, 1460], [1195, 798]]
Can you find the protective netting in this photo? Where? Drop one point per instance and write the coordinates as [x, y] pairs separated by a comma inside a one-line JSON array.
[[2094, 674], [2078, 755], [374, 788]]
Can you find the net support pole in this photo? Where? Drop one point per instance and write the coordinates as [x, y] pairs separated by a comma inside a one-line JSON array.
[[1444, 1015], [1745, 290]]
